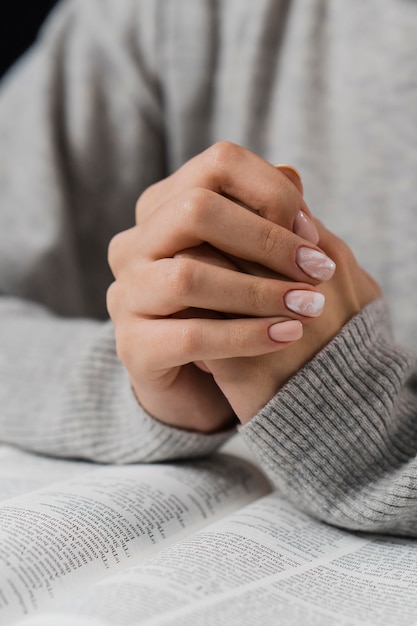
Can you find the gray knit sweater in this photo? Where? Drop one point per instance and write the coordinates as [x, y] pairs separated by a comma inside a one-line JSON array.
[[116, 95]]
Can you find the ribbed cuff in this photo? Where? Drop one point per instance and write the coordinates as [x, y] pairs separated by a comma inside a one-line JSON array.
[[332, 429]]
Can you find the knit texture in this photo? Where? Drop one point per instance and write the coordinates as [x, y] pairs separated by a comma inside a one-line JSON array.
[[115, 96]]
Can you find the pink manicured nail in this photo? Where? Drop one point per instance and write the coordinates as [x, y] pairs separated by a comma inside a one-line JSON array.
[[315, 263], [304, 227], [309, 303], [286, 331]]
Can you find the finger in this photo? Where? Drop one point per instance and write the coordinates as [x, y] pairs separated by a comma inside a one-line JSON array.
[[169, 343], [238, 174], [242, 175], [207, 254], [200, 215], [171, 285], [125, 244]]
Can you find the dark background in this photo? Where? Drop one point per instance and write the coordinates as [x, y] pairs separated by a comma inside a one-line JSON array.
[[20, 21]]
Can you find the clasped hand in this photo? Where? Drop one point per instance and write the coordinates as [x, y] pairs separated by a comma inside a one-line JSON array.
[[220, 289]]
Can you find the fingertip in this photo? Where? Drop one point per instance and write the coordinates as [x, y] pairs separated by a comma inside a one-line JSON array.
[[307, 303], [293, 174], [315, 264], [304, 227]]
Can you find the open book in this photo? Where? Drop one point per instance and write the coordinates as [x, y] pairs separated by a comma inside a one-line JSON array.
[[201, 543]]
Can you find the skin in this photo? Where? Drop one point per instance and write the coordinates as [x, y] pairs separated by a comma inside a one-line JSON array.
[[204, 276]]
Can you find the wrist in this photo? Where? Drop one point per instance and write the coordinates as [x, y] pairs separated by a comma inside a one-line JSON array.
[[194, 403]]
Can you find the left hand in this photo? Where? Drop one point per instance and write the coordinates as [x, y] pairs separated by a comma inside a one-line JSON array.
[[249, 383]]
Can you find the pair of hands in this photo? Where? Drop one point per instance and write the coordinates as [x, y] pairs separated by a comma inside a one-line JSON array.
[[220, 289]]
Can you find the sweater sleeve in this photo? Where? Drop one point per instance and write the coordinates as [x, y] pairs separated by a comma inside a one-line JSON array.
[[81, 135], [340, 439]]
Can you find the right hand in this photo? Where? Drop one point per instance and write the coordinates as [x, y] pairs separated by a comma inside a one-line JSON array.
[[172, 311]]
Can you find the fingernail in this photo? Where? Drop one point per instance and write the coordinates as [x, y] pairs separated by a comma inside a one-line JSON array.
[[286, 331], [309, 303], [315, 263], [305, 228]]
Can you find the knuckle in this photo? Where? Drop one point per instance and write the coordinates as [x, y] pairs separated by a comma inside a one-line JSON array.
[[257, 297], [193, 206], [189, 341], [269, 240], [218, 158], [222, 152], [180, 279]]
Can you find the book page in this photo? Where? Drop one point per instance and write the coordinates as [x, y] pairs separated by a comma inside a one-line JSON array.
[[265, 564], [69, 535], [21, 472]]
